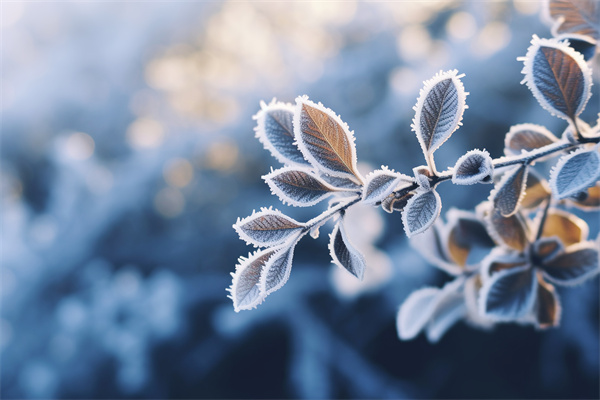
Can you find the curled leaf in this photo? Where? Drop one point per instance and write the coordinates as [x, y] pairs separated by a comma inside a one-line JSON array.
[[579, 16], [267, 228], [547, 305], [244, 290], [558, 77], [275, 130], [439, 110], [381, 182], [509, 294], [276, 270], [393, 203], [569, 228], [298, 186], [545, 249], [575, 172], [432, 245], [466, 234], [577, 264], [509, 192], [526, 137], [473, 167], [500, 260], [344, 254], [421, 211], [324, 140]]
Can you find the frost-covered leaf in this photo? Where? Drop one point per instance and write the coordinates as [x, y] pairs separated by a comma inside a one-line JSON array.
[[527, 137], [575, 172], [545, 249], [588, 200], [439, 110], [536, 190], [471, 291], [277, 270], [341, 183], [343, 253], [415, 312], [558, 77], [569, 228], [586, 45], [509, 294], [575, 16], [325, 140], [547, 305], [244, 290], [421, 305], [267, 228], [473, 167], [509, 192], [510, 231], [381, 182], [275, 130], [578, 263], [466, 233], [421, 211], [448, 312], [422, 176], [298, 186]]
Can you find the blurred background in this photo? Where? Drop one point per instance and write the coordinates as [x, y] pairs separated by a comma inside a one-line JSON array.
[[127, 152]]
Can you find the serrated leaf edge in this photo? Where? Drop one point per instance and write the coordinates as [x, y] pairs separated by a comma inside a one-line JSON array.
[[474, 178], [521, 127], [399, 177], [340, 226], [508, 175], [409, 204], [257, 214], [527, 70], [560, 165]]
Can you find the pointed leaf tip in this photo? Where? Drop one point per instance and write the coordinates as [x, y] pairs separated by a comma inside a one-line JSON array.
[[558, 77], [421, 211], [324, 140], [298, 186], [344, 254], [439, 110]]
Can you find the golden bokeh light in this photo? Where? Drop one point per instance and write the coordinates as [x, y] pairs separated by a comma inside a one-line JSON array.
[[178, 173], [145, 133], [461, 26], [221, 156]]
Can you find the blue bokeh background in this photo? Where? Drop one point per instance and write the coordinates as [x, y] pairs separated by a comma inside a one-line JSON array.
[[128, 151]]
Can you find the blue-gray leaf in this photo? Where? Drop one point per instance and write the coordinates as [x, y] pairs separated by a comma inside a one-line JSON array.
[[343, 253], [416, 311], [421, 211], [575, 172], [244, 290], [275, 130], [473, 167], [509, 192], [558, 77], [579, 263], [298, 186], [509, 294], [439, 110], [277, 270], [267, 228], [382, 182], [448, 312]]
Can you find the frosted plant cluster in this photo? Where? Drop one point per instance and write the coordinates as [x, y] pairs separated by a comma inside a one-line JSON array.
[[507, 255]]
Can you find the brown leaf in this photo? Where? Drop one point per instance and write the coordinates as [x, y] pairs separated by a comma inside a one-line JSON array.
[[589, 200], [511, 231], [324, 139], [576, 16], [466, 232], [536, 190], [568, 227], [510, 191], [527, 137], [548, 306]]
